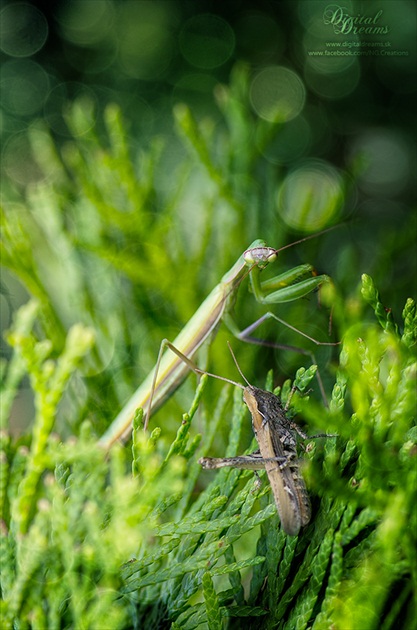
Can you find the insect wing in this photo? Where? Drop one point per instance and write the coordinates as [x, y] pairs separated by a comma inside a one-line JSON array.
[[282, 437]]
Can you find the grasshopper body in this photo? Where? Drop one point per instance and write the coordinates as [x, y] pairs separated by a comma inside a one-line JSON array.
[[276, 439], [277, 456]]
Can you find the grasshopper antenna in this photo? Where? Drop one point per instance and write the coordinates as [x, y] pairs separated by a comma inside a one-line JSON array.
[[237, 365]]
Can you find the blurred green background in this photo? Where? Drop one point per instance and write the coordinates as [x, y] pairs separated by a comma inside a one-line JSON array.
[[145, 145]]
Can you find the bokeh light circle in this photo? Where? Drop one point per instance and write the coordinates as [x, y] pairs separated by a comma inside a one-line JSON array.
[[86, 23], [311, 196], [277, 94], [206, 41], [23, 30], [24, 86], [18, 161], [336, 85]]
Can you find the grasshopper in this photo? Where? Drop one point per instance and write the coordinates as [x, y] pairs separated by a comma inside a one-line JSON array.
[[277, 455]]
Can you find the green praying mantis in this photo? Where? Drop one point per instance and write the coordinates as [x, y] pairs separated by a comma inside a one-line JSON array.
[[170, 370]]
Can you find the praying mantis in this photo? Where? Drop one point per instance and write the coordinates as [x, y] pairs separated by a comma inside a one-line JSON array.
[[170, 370]]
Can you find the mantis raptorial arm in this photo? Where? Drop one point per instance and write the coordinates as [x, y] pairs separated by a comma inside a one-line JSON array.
[[170, 370]]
